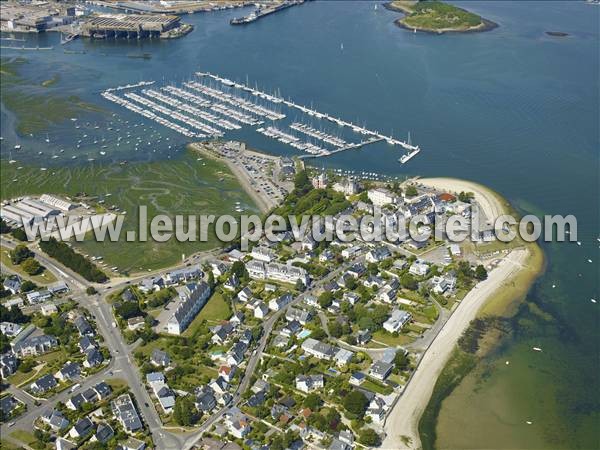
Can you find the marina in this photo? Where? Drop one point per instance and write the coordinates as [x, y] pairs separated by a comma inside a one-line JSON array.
[[209, 106]]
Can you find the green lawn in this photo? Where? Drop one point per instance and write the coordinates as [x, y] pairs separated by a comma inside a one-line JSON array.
[[46, 277], [178, 186], [215, 310], [24, 436], [377, 387], [389, 339], [5, 445]]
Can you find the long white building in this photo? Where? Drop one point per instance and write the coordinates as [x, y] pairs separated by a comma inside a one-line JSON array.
[[193, 298]]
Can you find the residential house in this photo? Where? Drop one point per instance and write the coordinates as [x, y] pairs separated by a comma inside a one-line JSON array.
[[135, 323], [419, 268], [82, 428], [300, 315], [10, 329], [227, 372], [357, 378], [54, 419], [43, 384], [13, 284], [378, 254], [69, 371], [205, 399], [309, 383], [380, 370], [125, 412], [48, 309], [93, 358], [160, 358], [280, 302], [263, 254], [33, 346], [83, 326], [261, 310], [182, 275], [237, 423], [397, 320], [104, 433], [8, 365], [151, 284]]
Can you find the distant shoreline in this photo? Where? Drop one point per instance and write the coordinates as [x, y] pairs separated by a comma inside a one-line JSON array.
[[486, 25]]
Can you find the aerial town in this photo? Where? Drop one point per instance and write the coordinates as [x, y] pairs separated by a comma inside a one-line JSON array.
[[299, 225], [291, 344]]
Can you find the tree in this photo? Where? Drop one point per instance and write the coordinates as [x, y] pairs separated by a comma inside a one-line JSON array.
[[91, 290], [335, 328], [408, 282], [312, 401], [20, 254], [400, 361], [299, 285], [238, 268], [19, 233], [4, 228], [27, 286], [13, 315], [74, 261], [31, 266], [325, 299], [355, 403], [369, 437], [301, 183], [480, 272], [127, 310], [184, 412]]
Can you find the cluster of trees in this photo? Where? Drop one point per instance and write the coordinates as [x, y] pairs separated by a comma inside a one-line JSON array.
[[24, 257], [369, 437], [466, 273], [328, 420], [20, 254], [283, 441], [159, 298], [14, 315], [184, 412], [355, 403], [368, 318], [337, 329], [304, 200], [73, 260], [127, 310]]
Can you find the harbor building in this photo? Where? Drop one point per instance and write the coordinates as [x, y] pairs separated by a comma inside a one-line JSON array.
[[130, 26]]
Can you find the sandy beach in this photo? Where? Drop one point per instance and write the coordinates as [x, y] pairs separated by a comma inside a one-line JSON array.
[[403, 420]]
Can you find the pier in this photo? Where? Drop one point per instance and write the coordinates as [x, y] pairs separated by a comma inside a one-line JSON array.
[[352, 146], [210, 106], [262, 12]]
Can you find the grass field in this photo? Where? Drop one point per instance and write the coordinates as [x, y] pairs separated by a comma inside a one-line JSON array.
[[46, 277], [35, 104], [215, 310], [180, 186], [389, 339], [24, 436]]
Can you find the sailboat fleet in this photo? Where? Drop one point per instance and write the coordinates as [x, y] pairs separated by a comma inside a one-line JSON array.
[[209, 105]]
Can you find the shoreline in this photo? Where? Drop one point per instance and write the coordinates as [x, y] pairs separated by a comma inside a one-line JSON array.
[[486, 25], [402, 423], [242, 179]]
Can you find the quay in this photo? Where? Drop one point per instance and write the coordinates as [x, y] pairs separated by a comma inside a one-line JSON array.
[[352, 146], [264, 11]]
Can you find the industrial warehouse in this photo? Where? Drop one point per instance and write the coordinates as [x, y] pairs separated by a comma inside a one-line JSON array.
[[133, 26]]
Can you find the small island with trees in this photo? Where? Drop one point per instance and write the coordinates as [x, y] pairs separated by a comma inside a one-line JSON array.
[[433, 16]]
